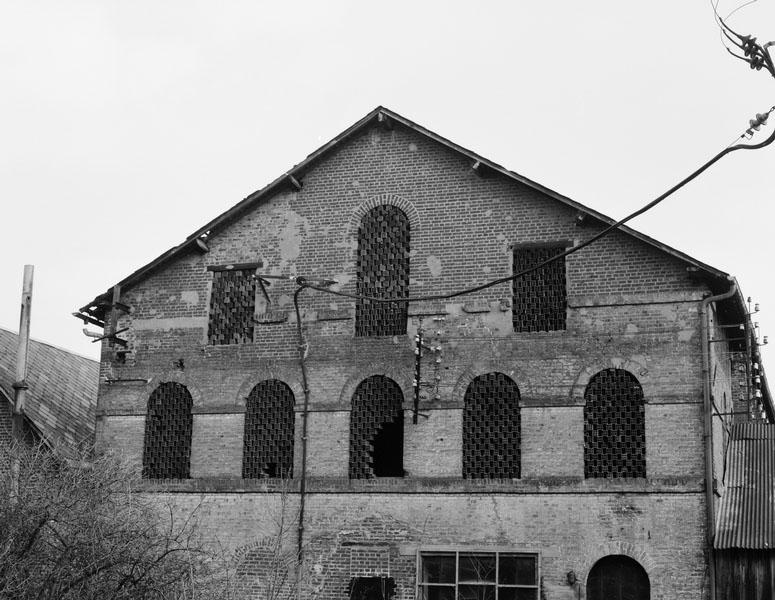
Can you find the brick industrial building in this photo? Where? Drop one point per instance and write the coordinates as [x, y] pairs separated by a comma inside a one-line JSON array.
[[546, 438]]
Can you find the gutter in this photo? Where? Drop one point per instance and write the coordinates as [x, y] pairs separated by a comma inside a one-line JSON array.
[[707, 431]]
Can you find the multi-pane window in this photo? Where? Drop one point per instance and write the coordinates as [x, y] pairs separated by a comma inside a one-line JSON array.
[[466, 575], [269, 426], [382, 271], [491, 428], [614, 426], [540, 298], [377, 429], [232, 307], [168, 423]]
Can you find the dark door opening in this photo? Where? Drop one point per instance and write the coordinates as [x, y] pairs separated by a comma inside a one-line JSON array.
[[618, 577], [388, 458]]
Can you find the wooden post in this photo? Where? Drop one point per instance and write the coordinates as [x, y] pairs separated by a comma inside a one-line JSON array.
[[20, 384]]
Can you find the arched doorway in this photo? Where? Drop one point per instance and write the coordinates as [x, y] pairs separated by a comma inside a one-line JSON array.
[[618, 577]]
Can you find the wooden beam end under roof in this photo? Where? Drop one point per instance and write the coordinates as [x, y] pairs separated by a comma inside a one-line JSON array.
[[294, 182]]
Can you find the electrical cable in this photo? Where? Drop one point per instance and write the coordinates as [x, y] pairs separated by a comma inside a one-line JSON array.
[[301, 281], [743, 5]]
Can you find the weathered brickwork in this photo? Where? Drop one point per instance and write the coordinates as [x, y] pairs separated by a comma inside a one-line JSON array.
[[6, 412], [630, 307], [371, 534]]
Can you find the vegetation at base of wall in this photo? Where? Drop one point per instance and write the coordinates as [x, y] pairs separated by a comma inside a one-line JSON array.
[[76, 530]]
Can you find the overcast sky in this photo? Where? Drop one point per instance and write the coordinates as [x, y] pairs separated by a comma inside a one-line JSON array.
[[125, 126]]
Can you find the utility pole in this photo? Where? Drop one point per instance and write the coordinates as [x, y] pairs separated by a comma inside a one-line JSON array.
[[20, 384]]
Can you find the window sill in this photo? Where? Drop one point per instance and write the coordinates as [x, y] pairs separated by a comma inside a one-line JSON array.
[[429, 485]]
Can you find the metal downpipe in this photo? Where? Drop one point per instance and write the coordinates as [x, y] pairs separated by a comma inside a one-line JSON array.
[[707, 432]]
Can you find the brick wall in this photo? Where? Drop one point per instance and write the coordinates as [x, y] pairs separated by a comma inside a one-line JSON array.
[[630, 306], [6, 413], [371, 534]]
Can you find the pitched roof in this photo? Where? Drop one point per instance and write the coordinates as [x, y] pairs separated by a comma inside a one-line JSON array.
[[97, 307], [746, 516], [62, 395]]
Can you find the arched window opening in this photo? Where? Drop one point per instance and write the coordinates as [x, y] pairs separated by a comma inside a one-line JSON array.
[[618, 577], [382, 271], [377, 429], [168, 424], [614, 426], [269, 427], [491, 428]]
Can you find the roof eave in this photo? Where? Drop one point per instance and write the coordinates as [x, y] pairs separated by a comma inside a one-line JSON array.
[[715, 276]]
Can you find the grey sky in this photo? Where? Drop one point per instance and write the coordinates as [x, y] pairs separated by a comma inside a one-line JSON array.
[[126, 126]]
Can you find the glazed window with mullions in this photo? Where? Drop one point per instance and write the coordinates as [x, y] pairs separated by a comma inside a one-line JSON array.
[[464, 575]]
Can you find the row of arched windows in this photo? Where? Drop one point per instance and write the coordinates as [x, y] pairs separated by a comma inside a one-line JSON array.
[[268, 437], [614, 429]]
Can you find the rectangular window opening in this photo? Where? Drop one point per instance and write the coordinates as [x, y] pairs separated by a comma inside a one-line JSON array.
[[464, 575], [540, 297], [371, 588], [232, 307]]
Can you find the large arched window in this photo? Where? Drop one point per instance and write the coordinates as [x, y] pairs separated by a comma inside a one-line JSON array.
[[269, 426], [168, 423], [614, 426], [383, 271], [377, 429], [491, 428], [618, 577]]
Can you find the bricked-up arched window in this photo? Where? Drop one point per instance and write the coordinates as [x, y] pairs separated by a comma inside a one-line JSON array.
[[168, 423], [269, 426], [377, 429], [383, 271], [618, 577], [491, 428], [614, 426]]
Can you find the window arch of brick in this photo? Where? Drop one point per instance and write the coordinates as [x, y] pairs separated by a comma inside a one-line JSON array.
[[382, 271], [491, 428], [269, 427], [614, 426], [168, 424], [618, 577], [377, 429]]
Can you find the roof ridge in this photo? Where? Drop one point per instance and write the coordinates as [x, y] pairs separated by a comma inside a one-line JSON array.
[[376, 113]]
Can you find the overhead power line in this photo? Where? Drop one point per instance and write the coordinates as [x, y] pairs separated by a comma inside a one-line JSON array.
[[324, 285]]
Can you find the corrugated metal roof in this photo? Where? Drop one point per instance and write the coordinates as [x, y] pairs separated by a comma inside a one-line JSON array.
[[746, 516], [62, 395]]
